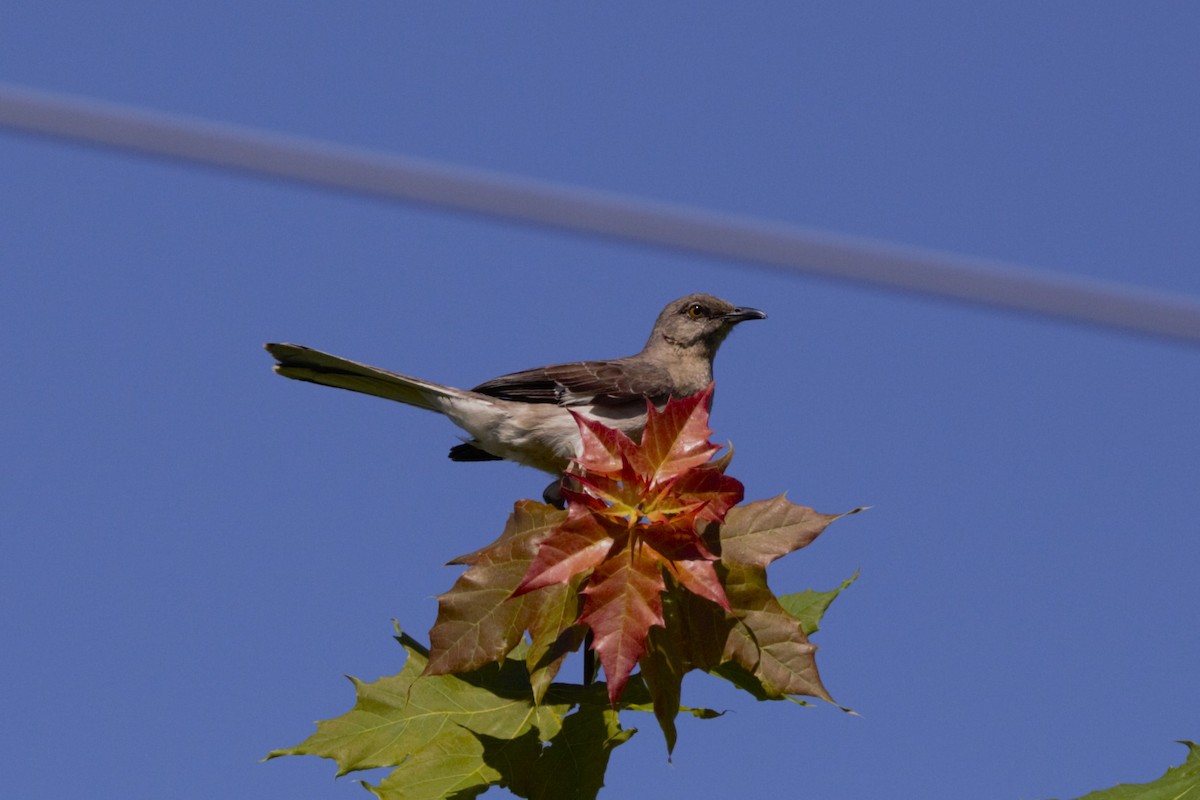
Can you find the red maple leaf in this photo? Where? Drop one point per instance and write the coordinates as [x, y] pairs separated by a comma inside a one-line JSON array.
[[635, 511]]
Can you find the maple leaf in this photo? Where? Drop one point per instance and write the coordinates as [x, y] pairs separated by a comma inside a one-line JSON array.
[[676, 438], [457, 735], [809, 606], [663, 666], [405, 717], [623, 599], [648, 524], [1176, 783], [578, 543], [634, 512], [767, 641], [477, 623]]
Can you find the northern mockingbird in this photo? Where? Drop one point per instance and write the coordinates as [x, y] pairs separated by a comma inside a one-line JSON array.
[[523, 417]]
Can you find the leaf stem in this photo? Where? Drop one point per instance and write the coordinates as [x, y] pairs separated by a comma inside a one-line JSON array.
[[589, 659]]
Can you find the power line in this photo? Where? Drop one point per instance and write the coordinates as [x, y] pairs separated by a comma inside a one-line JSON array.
[[613, 215]]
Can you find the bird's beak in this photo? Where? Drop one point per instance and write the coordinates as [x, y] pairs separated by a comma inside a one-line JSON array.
[[743, 314]]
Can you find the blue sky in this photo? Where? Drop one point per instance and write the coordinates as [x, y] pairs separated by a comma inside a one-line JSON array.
[[194, 551]]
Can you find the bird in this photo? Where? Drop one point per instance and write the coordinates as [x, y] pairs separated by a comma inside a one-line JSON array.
[[525, 416]]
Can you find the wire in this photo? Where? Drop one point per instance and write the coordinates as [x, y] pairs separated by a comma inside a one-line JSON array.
[[793, 249]]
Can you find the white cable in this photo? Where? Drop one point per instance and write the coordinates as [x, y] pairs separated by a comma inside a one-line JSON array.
[[614, 215]]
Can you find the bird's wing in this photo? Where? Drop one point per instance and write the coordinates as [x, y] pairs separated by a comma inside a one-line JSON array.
[[582, 382]]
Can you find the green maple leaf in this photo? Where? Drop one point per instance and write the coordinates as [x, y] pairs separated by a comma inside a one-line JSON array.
[[809, 606], [424, 723], [1176, 784], [663, 666], [572, 765], [456, 736], [458, 764]]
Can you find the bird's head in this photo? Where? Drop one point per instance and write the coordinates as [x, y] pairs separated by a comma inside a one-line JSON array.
[[698, 322]]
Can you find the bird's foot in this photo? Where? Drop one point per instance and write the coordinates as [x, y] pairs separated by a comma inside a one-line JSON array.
[[553, 496]]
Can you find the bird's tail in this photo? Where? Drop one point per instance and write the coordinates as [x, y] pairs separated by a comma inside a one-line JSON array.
[[306, 364]]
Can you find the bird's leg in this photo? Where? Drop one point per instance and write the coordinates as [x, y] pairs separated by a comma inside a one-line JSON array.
[[552, 495]]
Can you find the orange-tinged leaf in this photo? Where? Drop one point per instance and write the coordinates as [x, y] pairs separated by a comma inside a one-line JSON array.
[[478, 622], [611, 497], [580, 543], [602, 449], [717, 491], [676, 438], [700, 578], [760, 532], [576, 494], [526, 515], [786, 661], [623, 599], [770, 642], [676, 542], [767, 641]]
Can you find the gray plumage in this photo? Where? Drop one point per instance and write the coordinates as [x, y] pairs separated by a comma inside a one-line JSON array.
[[523, 417]]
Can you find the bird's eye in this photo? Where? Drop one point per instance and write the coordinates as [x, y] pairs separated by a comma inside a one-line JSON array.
[[695, 311]]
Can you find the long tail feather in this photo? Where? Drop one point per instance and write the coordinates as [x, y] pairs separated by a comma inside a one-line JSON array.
[[305, 364]]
